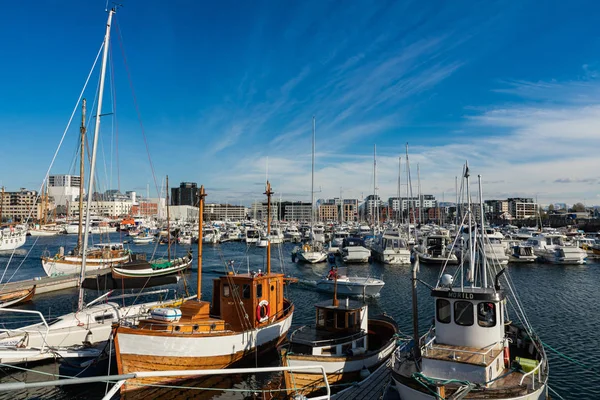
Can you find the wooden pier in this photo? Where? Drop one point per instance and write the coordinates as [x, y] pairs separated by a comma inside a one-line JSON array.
[[378, 386], [48, 284]]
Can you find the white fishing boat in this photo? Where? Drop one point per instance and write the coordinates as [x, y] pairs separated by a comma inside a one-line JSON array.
[[473, 350]]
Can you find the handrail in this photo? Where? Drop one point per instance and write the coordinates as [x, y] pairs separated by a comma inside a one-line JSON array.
[[121, 379], [28, 312], [454, 351], [327, 341], [530, 373]]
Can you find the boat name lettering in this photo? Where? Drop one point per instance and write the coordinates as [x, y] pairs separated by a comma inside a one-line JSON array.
[[460, 295]]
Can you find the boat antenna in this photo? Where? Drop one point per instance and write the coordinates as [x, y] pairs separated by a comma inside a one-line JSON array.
[[201, 196], [268, 192], [88, 203]]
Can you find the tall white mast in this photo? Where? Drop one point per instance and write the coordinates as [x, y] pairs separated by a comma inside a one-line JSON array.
[[86, 233], [399, 213], [376, 208], [483, 257], [408, 191], [420, 194], [471, 248], [312, 184]]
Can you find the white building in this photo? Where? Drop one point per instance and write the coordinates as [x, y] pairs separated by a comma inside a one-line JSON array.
[[103, 208], [414, 202], [183, 213], [63, 188]]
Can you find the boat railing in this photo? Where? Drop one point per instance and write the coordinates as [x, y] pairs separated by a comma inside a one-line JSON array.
[[19, 329], [120, 380], [175, 327], [327, 342], [532, 373], [484, 354]]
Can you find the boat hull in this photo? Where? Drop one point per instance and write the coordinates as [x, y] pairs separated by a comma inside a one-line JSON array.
[[163, 351], [312, 257], [119, 272], [368, 287], [72, 265]]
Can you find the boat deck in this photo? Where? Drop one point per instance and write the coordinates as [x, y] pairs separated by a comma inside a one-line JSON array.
[[463, 354], [377, 386]]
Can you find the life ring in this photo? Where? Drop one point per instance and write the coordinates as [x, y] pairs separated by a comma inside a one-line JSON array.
[[263, 311]]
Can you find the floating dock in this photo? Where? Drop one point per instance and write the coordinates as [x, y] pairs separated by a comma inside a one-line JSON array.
[[48, 284]]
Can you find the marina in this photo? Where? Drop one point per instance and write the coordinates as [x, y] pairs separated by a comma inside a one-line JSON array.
[[230, 287]]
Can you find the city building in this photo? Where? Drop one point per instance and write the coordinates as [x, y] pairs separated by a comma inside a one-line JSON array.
[[185, 195], [63, 188], [111, 209], [183, 213], [24, 204], [328, 212], [522, 208], [258, 211], [402, 204], [296, 211], [224, 212]]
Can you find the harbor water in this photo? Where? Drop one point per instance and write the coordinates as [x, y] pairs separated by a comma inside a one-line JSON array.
[[561, 302]]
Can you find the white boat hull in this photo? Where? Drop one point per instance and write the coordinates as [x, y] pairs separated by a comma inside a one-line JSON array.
[[72, 265], [12, 241], [353, 286], [312, 257]]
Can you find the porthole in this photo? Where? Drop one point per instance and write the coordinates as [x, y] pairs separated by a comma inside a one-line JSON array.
[[272, 288], [177, 328], [195, 327]]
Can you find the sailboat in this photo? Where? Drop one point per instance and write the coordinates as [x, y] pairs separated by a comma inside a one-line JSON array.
[[104, 255], [312, 252], [82, 333], [248, 314], [140, 268], [473, 350]]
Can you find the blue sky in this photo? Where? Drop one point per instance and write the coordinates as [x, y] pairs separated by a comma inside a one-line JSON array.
[[226, 88]]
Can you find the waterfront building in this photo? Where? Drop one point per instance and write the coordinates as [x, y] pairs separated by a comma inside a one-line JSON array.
[[328, 212], [63, 188], [259, 211], [224, 212], [18, 206], [110, 209], [402, 204], [296, 211], [185, 195], [183, 213], [522, 207]]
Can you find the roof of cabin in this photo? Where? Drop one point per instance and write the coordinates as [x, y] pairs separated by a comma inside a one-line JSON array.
[[352, 305]]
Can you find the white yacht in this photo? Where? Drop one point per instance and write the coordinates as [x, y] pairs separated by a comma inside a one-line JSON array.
[[354, 251], [551, 248], [210, 235], [436, 250], [292, 234], [391, 248], [12, 237], [364, 286]]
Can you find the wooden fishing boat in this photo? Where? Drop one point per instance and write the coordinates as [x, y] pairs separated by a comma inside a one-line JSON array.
[[146, 269], [347, 343], [16, 297], [248, 314]]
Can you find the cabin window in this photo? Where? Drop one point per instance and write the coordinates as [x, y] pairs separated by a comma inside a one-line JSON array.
[[486, 314], [226, 291], [340, 320], [351, 319], [259, 291], [328, 350], [329, 318], [320, 318], [443, 311], [246, 291], [463, 313]]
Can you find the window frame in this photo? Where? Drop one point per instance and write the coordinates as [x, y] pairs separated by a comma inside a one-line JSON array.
[[437, 311], [481, 320], [246, 291], [458, 317]]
